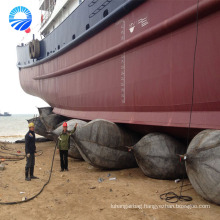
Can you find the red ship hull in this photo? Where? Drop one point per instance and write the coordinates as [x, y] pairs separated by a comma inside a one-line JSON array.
[[139, 70]]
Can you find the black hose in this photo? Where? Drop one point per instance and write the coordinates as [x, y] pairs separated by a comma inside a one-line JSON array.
[[33, 197], [172, 197]]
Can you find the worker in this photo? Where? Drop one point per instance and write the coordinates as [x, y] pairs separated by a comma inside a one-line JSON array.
[[30, 150], [64, 146]]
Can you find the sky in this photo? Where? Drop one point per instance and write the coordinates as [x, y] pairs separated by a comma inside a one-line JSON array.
[[12, 98]]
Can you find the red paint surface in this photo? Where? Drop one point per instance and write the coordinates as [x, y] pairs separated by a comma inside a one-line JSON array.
[[158, 71]]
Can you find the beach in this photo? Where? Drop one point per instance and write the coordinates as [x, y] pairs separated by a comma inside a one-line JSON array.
[[14, 127], [85, 192]]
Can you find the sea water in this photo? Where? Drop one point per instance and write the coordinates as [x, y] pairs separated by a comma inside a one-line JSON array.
[[13, 127]]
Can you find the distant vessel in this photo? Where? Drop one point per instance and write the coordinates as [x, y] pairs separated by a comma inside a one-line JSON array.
[[5, 114]]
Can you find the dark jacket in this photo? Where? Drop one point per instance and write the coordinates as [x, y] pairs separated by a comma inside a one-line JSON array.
[[30, 147]]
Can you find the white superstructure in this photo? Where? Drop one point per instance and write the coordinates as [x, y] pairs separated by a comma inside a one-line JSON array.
[[54, 12]]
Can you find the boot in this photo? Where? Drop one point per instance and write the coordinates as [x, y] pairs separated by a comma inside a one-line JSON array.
[[32, 173], [27, 178]]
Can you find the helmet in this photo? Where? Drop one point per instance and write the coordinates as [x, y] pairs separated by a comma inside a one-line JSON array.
[[64, 124], [31, 125]]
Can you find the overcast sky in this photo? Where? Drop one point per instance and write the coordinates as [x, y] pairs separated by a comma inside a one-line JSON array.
[[12, 97]]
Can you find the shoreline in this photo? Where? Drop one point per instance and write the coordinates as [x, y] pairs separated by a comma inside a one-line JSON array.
[[13, 138], [14, 127]]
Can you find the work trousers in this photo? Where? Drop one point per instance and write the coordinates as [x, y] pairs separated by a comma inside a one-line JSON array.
[[29, 168], [30, 161], [64, 159]]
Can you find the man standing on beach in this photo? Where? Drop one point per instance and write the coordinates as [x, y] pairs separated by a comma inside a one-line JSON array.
[[30, 149], [64, 146]]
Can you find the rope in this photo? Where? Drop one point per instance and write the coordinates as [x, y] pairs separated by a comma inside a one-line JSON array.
[[40, 152], [33, 197]]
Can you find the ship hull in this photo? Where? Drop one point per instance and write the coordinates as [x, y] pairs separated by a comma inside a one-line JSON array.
[[140, 71]]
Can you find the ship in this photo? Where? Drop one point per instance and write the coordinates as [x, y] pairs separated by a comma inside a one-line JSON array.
[[148, 65], [5, 114], [151, 65]]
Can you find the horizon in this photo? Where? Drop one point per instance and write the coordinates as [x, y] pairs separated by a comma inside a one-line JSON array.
[[20, 114]]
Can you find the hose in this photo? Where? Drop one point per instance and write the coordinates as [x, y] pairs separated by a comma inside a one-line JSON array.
[[33, 197], [170, 196]]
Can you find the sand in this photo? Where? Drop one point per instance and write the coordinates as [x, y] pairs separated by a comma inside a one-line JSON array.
[[77, 194]]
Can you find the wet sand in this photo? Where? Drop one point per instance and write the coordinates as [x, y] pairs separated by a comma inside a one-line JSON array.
[[77, 194]]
